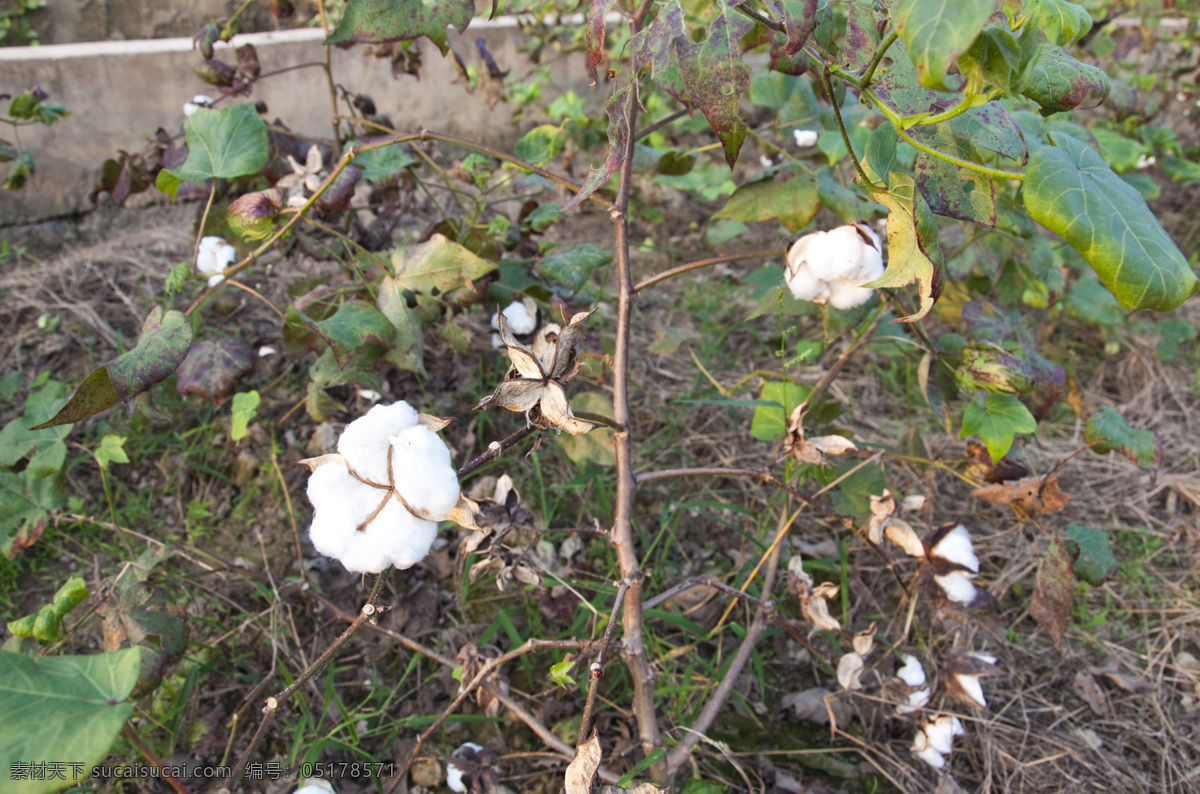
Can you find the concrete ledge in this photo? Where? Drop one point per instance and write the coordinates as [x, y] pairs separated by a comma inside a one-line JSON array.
[[120, 92]]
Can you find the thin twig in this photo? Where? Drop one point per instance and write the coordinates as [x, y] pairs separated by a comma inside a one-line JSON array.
[[174, 783], [716, 260], [711, 581], [656, 126], [596, 671], [495, 450]]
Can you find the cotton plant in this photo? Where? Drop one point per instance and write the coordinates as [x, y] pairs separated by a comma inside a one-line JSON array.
[[831, 267], [213, 257], [377, 501], [521, 317]]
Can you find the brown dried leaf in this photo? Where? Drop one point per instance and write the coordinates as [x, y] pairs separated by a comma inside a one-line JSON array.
[[582, 769], [863, 641], [1034, 495], [1054, 593], [1090, 693], [981, 468], [312, 463], [833, 445], [1111, 671], [435, 423]]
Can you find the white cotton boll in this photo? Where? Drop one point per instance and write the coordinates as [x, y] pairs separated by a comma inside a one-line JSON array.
[[972, 688], [765, 161], [519, 319], [956, 546], [941, 733], [912, 673], [422, 472], [315, 785], [394, 537], [206, 255], [917, 700], [189, 108], [329, 490], [847, 295], [805, 138], [1144, 161], [806, 287], [983, 657], [364, 442], [497, 342], [454, 775], [836, 254], [930, 756], [957, 587]]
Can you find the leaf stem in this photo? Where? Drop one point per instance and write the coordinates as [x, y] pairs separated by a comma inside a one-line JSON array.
[[865, 81], [837, 114]]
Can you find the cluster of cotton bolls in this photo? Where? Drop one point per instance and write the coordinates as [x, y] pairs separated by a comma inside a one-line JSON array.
[[831, 267], [213, 257], [377, 502]]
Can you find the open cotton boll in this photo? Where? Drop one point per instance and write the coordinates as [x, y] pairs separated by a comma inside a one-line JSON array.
[[912, 673], [972, 688], [315, 785], [366, 440], [454, 774], [807, 287], [958, 587], [520, 322], [935, 741], [847, 295], [805, 138], [835, 255], [395, 537], [917, 700], [956, 547], [422, 472]]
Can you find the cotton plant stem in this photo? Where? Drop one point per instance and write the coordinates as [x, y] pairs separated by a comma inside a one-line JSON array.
[[272, 705], [621, 535], [146, 752], [716, 260], [597, 672]]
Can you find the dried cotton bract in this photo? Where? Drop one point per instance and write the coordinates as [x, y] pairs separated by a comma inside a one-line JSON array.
[[377, 501], [831, 267]]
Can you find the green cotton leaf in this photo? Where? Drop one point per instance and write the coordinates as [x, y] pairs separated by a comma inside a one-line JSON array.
[[19, 172], [879, 155], [1108, 431], [1063, 23], [1180, 170], [166, 337], [862, 34], [847, 203], [561, 674], [994, 58], [24, 435], [914, 253], [245, 408], [572, 266], [70, 595], [1059, 81], [383, 163], [1071, 191], [111, 450], [541, 144], [26, 502], [438, 264], [62, 708], [997, 421], [799, 22], [853, 494], [716, 77], [354, 326], [953, 191], [1089, 300], [1121, 153], [222, 144], [772, 89], [382, 21], [793, 201], [1172, 333], [409, 340], [770, 421], [1095, 560], [618, 140], [938, 31]]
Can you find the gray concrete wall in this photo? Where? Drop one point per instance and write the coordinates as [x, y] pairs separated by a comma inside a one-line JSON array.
[[119, 92]]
